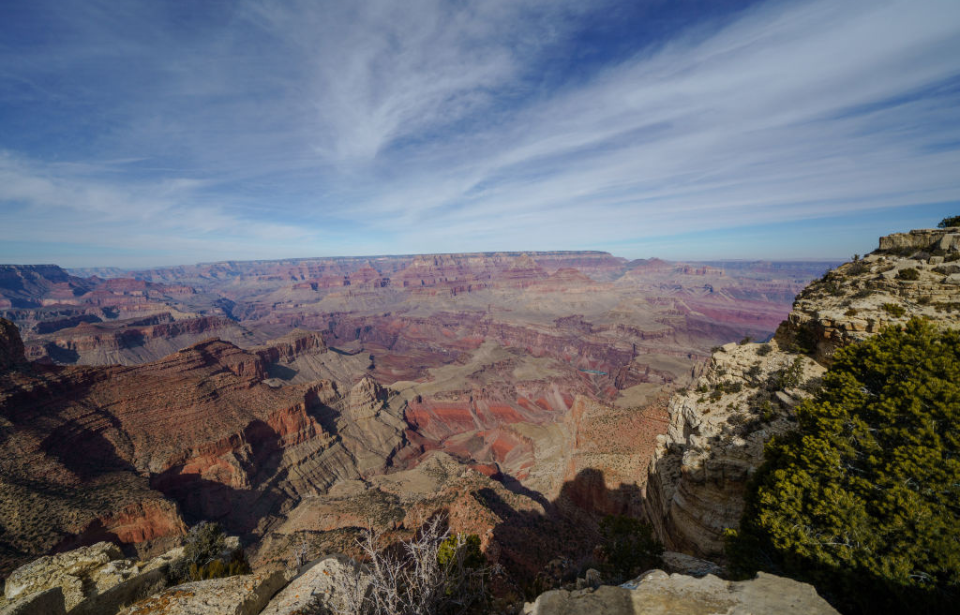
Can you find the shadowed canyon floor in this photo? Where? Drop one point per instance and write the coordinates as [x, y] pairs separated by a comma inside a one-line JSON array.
[[298, 400]]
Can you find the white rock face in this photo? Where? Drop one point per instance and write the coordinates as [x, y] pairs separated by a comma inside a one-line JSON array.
[[657, 593], [715, 441]]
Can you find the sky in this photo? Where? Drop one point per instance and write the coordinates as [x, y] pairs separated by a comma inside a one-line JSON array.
[[149, 133]]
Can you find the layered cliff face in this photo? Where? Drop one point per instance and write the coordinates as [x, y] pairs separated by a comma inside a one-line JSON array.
[[130, 341], [747, 393], [119, 453]]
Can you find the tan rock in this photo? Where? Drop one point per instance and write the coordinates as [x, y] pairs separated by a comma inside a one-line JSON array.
[[77, 573], [239, 595], [313, 588], [154, 576], [658, 593]]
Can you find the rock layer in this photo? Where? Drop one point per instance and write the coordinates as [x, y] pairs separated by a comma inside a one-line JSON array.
[[94, 454]]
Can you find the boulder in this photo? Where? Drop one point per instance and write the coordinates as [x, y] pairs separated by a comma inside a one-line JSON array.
[[657, 592], [315, 590], [240, 595]]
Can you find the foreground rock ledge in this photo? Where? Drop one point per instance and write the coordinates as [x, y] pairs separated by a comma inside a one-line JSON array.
[[241, 595], [657, 593]]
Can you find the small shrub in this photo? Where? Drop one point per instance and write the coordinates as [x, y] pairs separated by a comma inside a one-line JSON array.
[[767, 411], [946, 307], [203, 555], [813, 385], [805, 341], [764, 349], [949, 222], [894, 310], [850, 312], [788, 377], [746, 340], [450, 550], [909, 274], [858, 267], [833, 288]]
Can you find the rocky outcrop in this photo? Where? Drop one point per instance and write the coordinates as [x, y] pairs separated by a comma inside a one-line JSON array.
[[130, 341], [240, 595], [715, 440], [11, 346], [145, 580], [912, 274], [94, 580], [291, 346], [657, 592], [717, 431], [29, 285], [315, 589], [77, 573], [947, 239]]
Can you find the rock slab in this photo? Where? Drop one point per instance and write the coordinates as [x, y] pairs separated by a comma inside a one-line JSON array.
[[657, 593], [75, 572], [314, 591], [241, 595]]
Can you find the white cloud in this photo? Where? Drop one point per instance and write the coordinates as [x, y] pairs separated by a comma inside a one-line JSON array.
[[425, 125]]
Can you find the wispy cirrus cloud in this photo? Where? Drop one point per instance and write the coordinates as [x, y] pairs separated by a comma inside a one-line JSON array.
[[285, 128]]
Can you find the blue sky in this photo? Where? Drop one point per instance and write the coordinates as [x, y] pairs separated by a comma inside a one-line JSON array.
[[149, 133]]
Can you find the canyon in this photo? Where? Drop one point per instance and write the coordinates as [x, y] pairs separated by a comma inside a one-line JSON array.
[[296, 401]]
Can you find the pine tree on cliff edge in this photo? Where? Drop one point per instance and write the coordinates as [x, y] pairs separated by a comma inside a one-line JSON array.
[[863, 499]]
